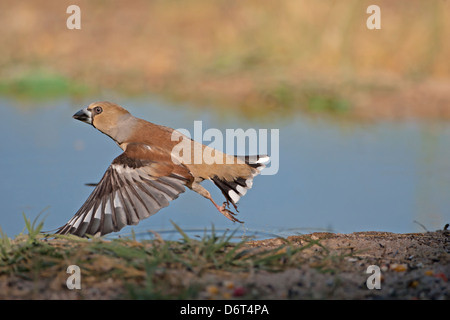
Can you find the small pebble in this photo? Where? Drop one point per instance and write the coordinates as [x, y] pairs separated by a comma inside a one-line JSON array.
[[399, 267], [238, 292], [228, 284], [429, 272], [212, 289]]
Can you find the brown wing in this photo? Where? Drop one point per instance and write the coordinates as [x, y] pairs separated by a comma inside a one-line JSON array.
[[137, 184]]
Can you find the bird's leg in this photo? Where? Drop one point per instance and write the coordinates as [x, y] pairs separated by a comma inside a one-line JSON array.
[[222, 209]]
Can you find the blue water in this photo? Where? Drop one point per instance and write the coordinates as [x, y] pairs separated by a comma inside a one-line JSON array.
[[333, 175]]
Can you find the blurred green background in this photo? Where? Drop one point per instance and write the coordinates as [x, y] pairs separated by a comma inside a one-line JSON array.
[[362, 113], [258, 57]]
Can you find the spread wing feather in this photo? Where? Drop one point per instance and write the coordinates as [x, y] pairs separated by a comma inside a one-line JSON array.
[[136, 185]]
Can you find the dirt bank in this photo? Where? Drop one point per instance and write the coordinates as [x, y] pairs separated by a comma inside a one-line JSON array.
[[412, 266], [313, 266]]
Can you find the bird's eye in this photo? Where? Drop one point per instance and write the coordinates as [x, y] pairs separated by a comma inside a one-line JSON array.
[[98, 110]]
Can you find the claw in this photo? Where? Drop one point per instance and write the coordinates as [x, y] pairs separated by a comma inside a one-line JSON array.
[[230, 215], [227, 213], [227, 204]]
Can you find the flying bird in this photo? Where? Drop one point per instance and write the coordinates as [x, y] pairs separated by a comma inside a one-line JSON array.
[[156, 165]]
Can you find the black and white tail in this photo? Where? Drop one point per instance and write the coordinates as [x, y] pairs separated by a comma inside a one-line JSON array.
[[234, 190]]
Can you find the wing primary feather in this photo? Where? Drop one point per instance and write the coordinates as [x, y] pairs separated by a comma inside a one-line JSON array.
[[112, 190], [162, 188], [117, 196], [98, 200], [132, 217], [139, 199], [127, 193], [147, 187], [136, 184], [150, 202], [138, 204], [174, 184], [129, 204]]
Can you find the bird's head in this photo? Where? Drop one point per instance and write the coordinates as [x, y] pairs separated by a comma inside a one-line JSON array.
[[106, 116]]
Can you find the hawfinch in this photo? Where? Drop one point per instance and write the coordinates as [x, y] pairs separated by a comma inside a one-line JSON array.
[[156, 165]]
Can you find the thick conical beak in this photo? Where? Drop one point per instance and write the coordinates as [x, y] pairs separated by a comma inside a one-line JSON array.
[[84, 115]]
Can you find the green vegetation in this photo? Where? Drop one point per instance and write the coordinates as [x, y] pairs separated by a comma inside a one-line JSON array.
[[312, 98], [322, 265], [38, 84], [324, 103], [256, 57], [147, 269]]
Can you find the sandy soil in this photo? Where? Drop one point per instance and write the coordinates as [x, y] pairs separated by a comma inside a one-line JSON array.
[[411, 266]]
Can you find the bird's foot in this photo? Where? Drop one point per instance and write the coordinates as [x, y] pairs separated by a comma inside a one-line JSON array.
[[226, 204], [227, 213]]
